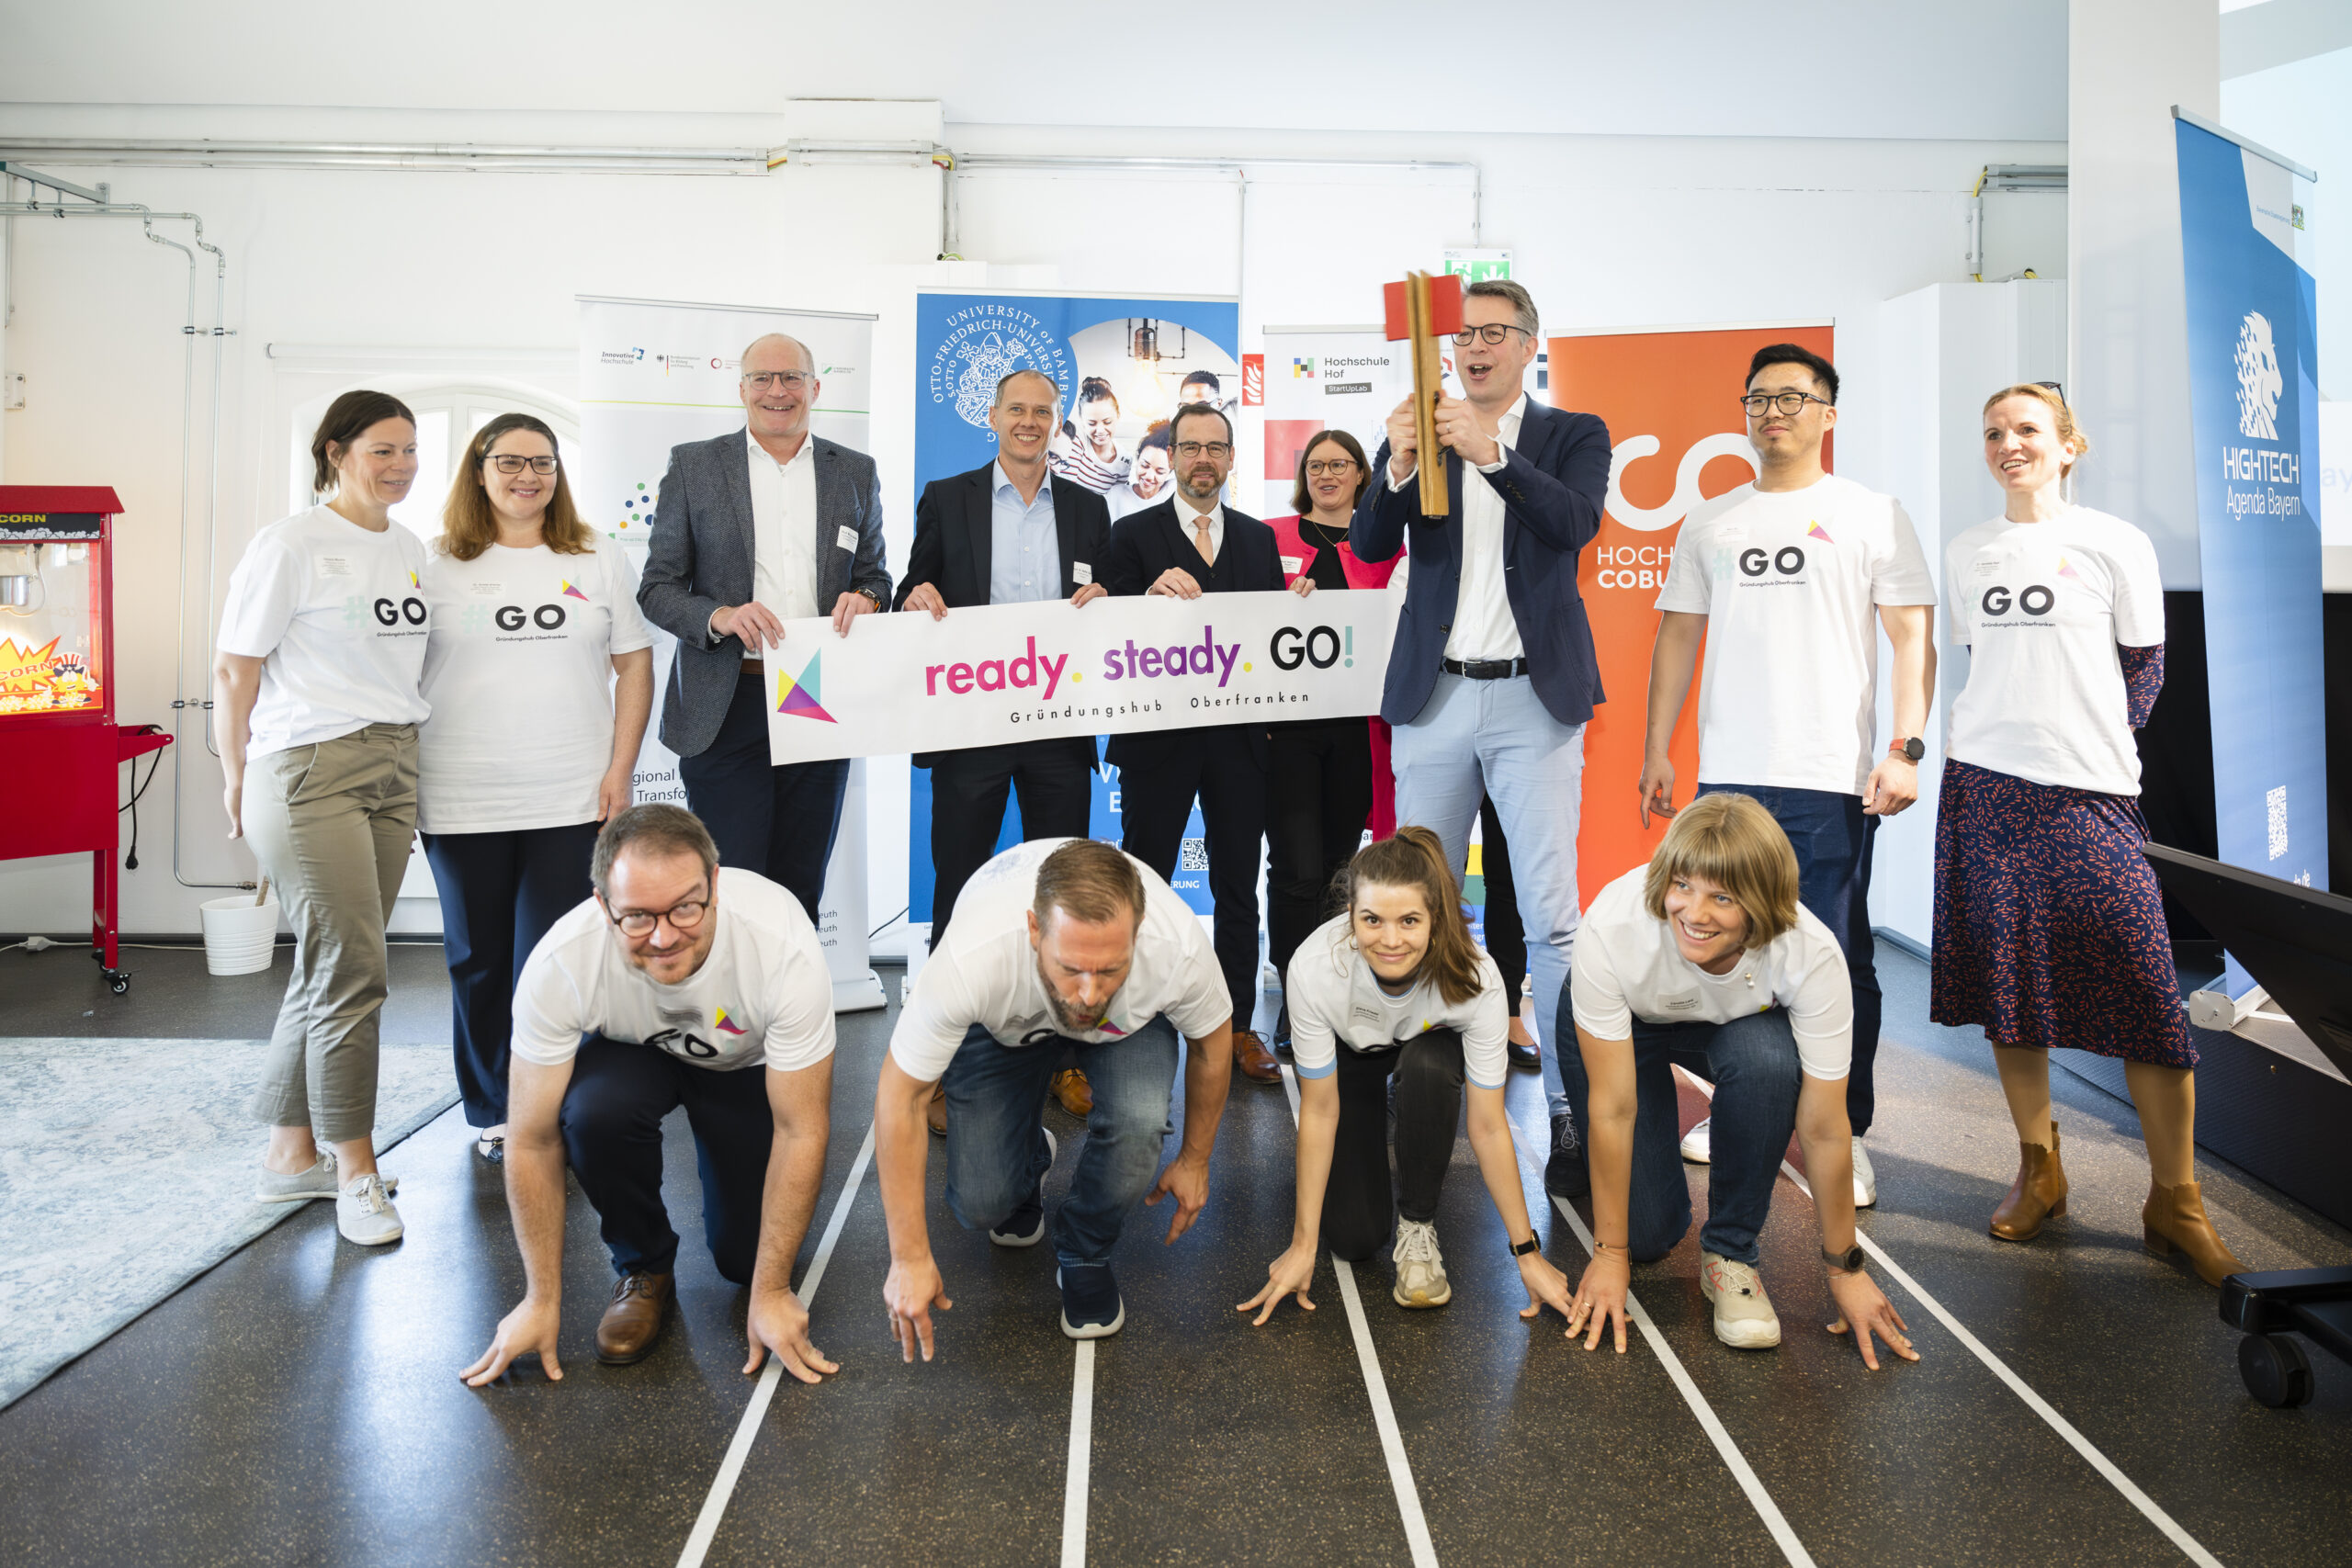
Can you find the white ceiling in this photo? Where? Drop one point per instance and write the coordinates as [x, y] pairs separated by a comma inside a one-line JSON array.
[[1978, 70]]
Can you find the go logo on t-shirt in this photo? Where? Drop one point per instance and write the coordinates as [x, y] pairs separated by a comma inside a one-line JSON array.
[[2032, 600]]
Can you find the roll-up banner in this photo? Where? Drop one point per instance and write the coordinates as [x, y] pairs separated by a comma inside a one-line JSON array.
[[654, 373], [2254, 404], [1670, 398], [1321, 378], [1121, 362]]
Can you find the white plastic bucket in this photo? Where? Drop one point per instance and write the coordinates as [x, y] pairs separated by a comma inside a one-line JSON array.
[[240, 936]]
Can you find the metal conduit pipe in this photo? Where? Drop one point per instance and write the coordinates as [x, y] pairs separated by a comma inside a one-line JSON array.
[[450, 156]]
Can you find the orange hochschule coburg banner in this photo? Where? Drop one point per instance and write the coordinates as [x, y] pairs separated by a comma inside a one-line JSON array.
[[1671, 401]]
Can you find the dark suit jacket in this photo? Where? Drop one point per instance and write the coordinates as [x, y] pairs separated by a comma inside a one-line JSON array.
[[1144, 544], [700, 558], [1553, 484], [955, 532]]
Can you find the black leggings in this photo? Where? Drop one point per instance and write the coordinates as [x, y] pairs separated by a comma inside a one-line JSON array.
[[1357, 1207], [1505, 939]]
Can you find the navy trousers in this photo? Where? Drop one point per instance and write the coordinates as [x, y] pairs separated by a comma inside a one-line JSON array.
[[778, 821]]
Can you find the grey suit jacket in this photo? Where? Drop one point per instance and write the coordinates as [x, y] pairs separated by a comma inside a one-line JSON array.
[[700, 558]]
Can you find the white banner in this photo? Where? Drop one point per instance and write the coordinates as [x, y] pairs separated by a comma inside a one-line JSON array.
[[1322, 379], [654, 374], [994, 673]]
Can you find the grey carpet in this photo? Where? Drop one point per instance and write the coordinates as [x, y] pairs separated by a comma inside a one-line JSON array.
[[127, 1168]]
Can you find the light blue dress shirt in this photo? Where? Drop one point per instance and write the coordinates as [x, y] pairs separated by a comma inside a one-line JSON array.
[[1024, 552]]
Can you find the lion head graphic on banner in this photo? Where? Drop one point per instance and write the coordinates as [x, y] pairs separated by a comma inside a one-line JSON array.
[[2259, 381]]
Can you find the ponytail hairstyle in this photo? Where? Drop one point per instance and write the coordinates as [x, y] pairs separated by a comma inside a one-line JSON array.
[[1415, 858], [347, 418]]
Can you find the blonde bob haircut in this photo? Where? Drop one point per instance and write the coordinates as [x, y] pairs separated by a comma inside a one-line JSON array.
[[469, 526], [1731, 840]]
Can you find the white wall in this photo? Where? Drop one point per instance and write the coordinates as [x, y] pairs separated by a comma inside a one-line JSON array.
[[474, 275]]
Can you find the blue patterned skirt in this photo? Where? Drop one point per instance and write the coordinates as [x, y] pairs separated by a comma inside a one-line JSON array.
[[2049, 927]]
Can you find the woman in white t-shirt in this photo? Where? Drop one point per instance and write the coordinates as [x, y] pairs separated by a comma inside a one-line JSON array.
[[540, 675], [1394, 989], [1706, 952], [2049, 925], [1088, 454], [315, 693]]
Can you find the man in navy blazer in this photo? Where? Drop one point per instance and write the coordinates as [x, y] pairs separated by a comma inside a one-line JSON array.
[[1492, 674], [1008, 534], [765, 525], [1187, 546]]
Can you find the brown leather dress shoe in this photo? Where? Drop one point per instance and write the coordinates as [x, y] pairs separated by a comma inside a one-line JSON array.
[[2039, 1194], [1075, 1093], [2175, 1217], [629, 1326], [934, 1112], [1250, 1054]]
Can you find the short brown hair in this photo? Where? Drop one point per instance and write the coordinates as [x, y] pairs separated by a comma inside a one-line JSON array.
[[1415, 858], [1515, 295], [1731, 840], [1090, 881], [347, 420], [469, 526], [659, 829], [1303, 503], [2062, 415]]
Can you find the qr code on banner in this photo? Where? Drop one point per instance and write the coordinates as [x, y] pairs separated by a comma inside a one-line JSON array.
[[1193, 856], [2276, 799]]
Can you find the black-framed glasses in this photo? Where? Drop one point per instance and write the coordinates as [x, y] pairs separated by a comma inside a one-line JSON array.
[[1491, 333], [1335, 465], [767, 380], [1786, 402], [1220, 450], [683, 915], [509, 463], [2053, 387]]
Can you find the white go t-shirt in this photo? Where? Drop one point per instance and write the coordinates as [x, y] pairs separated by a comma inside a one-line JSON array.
[[337, 616], [762, 995], [520, 675], [1336, 999], [1628, 967], [986, 973], [2042, 607], [1789, 581]]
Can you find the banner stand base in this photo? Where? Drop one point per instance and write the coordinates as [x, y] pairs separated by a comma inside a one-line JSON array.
[[859, 993]]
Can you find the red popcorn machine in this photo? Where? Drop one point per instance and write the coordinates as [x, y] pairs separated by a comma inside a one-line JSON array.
[[60, 751]]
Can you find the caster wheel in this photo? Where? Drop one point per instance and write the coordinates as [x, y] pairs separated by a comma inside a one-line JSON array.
[[2276, 1371], [117, 980]]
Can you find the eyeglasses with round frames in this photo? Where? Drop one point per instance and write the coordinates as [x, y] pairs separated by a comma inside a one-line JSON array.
[[1322, 466], [509, 463], [1787, 402], [1491, 333], [683, 915], [1190, 449], [767, 380]]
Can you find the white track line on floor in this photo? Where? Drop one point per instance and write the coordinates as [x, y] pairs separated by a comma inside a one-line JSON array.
[[1383, 1415], [1081, 1450], [1769, 1511], [2189, 1546], [722, 1487]]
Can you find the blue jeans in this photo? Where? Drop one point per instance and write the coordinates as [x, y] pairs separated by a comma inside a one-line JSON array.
[[1476, 739], [1832, 840], [1752, 1062], [996, 1151]]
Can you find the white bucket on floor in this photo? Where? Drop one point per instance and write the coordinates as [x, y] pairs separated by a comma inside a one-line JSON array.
[[240, 936]]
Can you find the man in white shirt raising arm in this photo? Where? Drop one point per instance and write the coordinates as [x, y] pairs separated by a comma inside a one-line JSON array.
[[1056, 942], [655, 993]]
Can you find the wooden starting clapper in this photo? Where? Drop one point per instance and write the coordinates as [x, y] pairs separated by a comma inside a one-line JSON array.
[[1420, 310]]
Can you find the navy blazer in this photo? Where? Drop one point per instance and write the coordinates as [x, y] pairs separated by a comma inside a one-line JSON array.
[[1552, 485], [1144, 544]]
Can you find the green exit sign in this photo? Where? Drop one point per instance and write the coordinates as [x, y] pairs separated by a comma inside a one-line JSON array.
[[1478, 266]]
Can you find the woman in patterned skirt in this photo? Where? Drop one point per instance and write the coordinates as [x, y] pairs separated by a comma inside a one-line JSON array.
[[2048, 928]]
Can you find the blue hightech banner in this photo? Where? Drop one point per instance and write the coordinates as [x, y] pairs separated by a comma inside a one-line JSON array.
[[2255, 410], [1121, 362]]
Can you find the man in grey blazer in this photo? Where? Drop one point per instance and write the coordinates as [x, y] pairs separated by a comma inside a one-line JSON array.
[[752, 529]]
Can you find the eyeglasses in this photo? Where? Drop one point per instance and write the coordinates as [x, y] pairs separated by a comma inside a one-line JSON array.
[[2053, 387], [1787, 402], [508, 463], [1322, 466], [1491, 333], [765, 380], [684, 917], [1217, 450]]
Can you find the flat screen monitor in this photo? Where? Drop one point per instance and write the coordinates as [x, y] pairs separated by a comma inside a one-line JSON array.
[[2295, 940]]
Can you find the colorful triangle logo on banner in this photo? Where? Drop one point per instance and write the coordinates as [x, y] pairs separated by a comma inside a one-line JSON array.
[[1818, 532], [726, 1025], [802, 697], [571, 591]]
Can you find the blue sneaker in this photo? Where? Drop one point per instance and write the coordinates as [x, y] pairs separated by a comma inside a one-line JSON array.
[[1091, 1305], [1026, 1226]]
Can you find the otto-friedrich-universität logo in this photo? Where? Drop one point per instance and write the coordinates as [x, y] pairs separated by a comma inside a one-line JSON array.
[[983, 343]]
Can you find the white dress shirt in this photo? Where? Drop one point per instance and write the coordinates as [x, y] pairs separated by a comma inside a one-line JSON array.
[[1188, 517], [1483, 626], [784, 530]]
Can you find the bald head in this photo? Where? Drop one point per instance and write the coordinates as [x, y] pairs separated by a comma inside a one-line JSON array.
[[777, 351], [1033, 385], [779, 389]]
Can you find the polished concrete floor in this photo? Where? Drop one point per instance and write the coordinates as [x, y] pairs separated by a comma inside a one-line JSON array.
[[2077, 1400]]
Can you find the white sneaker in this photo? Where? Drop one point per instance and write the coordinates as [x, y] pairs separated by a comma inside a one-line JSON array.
[[319, 1181], [1744, 1316], [1865, 1178], [364, 1211], [1420, 1272], [1695, 1147]]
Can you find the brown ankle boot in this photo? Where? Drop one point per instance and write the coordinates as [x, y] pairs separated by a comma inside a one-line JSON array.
[[2175, 1217], [2038, 1193]]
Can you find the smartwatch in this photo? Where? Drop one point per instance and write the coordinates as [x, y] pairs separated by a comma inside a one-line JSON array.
[[1910, 749], [1524, 1247], [1846, 1262]]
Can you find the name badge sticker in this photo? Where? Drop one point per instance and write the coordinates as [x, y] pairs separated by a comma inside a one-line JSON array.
[[1082, 572], [1291, 564], [845, 537], [333, 566], [485, 590]]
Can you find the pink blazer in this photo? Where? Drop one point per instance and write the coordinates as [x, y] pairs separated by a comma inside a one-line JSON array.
[[1298, 556]]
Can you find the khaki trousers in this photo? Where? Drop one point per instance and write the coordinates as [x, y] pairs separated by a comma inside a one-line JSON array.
[[330, 825]]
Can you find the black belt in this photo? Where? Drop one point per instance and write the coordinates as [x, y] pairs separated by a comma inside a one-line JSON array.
[[1486, 669]]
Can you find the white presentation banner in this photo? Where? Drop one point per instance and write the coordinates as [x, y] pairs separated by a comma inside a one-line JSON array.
[[656, 372], [1321, 378], [989, 674]]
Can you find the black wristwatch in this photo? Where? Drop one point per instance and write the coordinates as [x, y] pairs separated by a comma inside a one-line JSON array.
[[1524, 1247], [1846, 1262], [1911, 749], [873, 595]]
